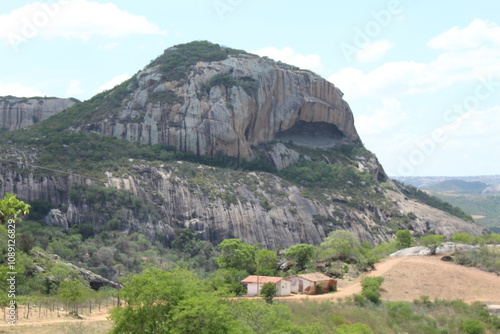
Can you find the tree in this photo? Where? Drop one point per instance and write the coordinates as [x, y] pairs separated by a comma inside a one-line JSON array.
[[12, 208], [187, 241], [301, 253], [39, 209], [432, 241], [267, 262], [268, 291], [203, 314], [403, 239], [340, 245], [471, 326], [74, 293], [227, 281], [463, 238], [236, 254], [151, 298]]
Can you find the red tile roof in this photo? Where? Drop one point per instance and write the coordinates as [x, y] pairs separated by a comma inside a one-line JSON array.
[[262, 279]]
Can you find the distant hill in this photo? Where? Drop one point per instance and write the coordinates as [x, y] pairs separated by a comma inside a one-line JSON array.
[[458, 187], [484, 208], [475, 195], [424, 181]]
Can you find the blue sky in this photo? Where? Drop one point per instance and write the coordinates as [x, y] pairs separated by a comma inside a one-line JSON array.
[[422, 78]]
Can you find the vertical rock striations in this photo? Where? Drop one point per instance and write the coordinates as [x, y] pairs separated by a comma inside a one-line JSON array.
[[17, 113]]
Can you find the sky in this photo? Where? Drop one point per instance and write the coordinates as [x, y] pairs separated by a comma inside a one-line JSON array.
[[422, 78]]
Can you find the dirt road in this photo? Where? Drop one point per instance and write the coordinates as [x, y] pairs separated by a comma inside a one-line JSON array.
[[409, 278]]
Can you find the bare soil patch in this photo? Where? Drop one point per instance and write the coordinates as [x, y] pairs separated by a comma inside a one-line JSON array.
[[89, 323], [409, 278]]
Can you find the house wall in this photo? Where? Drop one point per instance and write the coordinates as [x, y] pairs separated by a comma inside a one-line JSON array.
[[309, 287], [283, 288], [252, 289], [295, 284]]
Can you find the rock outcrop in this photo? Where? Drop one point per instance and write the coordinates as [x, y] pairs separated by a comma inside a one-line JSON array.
[[218, 204], [229, 106], [96, 281], [239, 105], [445, 248], [17, 113]]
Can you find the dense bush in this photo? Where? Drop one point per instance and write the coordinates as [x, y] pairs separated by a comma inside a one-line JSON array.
[[247, 83], [485, 258], [322, 175], [371, 288]]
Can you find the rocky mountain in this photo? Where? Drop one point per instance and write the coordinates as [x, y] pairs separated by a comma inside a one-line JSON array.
[[227, 106], [17, 113], [225, 143]]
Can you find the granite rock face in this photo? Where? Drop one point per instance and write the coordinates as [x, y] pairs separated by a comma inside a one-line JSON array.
[[254, 101], [17, 113], [218, 204], [232, 106]]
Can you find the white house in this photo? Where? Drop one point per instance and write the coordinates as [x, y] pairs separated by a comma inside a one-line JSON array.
[[312, 283], [255, 283]]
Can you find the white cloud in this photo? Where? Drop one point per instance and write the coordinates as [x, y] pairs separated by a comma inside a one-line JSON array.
[[74, 88], [72, 19], [18, 90], [385, 119], [373, 51], [391, 80], [113, 82], [457, 64], [290, 56], [465, 146], [477, 33]]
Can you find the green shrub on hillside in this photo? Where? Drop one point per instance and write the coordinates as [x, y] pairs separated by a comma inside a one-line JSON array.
[[403, 239], [247, 83], [322, 175], [433, 201], [485, 258]]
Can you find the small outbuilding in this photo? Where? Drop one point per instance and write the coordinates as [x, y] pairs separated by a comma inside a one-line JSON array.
[[254, 284], [312, 283]]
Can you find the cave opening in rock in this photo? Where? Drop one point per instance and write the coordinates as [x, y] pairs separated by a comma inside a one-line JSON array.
[[312, 134]]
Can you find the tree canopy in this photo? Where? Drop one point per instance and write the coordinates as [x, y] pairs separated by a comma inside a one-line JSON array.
[[12, 208], [403, 239], [340, 245], [301, 253], [236, 254]]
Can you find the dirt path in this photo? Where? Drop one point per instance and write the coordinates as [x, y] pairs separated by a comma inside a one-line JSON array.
[[96, 322], [409, 278]]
